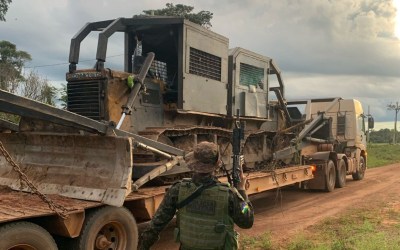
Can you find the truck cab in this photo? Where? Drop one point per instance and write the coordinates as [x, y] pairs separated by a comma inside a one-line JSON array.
[[334, 137], [348, 120]]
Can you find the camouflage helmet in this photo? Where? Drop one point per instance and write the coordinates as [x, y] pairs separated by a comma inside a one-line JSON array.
[[204, 158]]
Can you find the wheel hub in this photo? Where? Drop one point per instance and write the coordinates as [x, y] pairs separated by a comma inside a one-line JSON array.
[[102, 242]]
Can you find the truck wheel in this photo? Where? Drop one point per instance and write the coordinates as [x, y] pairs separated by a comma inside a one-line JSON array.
[[111, 228], [341, 174], [359, 174], [330, 177], [25, 236]]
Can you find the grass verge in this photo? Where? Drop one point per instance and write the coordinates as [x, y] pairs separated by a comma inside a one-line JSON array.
[[263, 241], [382, 154], [366, 228]]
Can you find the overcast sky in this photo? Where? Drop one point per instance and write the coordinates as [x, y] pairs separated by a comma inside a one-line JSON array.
[[325, 48]]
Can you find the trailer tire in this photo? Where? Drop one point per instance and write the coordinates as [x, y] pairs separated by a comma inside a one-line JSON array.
[[330, 177], [25, 235], [108, 228], [341, 174], [359, 174]]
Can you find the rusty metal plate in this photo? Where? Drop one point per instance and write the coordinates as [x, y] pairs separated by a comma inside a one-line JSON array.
[[97, 168]]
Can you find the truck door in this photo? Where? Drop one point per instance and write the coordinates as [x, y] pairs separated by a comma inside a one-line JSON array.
[[361, 132]]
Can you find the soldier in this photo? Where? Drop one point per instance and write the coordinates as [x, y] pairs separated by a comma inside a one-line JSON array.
[[206, 208]]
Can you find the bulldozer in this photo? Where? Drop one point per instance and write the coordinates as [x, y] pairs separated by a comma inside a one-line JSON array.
[[193, 90]]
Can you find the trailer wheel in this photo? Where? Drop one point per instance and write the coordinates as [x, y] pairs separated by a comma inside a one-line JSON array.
[[25, 236], [330, 177], [359, 174], [110, 228], [341, 174]]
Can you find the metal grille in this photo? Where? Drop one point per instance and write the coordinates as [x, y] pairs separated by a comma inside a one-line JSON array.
[[251, 75], [204, 64], [84, 99], [159, 70]]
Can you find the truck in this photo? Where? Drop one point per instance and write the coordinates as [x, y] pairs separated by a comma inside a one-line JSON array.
[[89, 175], [334, 141]]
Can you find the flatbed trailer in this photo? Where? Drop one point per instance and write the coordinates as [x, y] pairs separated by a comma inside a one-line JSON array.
[[84, 178], [24, 206]]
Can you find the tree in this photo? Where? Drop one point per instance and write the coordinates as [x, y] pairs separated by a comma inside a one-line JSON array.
[[13, 80], [63, 96], [37, 88], [381, 136], [34, 87], [396, 108], [202, 18], [11, 64], [4, 8]]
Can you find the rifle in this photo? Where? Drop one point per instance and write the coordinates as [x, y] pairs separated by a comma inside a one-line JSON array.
[[238, 160]]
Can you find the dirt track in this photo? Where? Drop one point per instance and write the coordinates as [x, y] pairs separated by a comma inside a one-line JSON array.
[[293, 210]]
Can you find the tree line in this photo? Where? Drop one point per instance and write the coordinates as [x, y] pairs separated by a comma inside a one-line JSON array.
[[383, 136], [28, 84]]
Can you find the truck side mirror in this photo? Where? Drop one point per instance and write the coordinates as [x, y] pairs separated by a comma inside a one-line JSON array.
[[370, 122]]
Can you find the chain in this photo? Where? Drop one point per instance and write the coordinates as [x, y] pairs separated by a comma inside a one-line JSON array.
[[58, 209]]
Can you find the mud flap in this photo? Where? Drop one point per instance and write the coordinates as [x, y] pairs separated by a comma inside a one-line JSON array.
[[96, 168]]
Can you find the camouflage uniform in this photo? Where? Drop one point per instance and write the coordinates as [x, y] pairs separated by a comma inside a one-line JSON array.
[[239, 207], [167, 210]]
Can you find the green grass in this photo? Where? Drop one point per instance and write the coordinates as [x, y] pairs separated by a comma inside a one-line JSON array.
[[360, 228], [262, 241], [383, 154], [357, 229]]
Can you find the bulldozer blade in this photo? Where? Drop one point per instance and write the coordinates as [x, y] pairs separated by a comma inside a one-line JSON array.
[[95, 168]]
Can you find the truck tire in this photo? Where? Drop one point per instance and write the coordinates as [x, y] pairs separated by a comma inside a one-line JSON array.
[[359, 174], [341, 174], [111, 228], [330, 177], [25, 235]]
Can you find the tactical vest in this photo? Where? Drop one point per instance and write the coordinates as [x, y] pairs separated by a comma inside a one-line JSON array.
[[205, 222]]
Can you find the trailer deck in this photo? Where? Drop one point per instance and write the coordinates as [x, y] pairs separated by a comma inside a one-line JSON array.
[[17, 205]]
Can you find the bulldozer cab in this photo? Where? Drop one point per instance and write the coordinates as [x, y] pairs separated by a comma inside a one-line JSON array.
[[190, 61]]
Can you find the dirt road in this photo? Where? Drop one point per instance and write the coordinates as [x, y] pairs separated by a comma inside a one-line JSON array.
[[289, 211]]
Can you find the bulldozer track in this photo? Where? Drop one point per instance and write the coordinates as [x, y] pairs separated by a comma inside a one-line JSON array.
[[274, 140], [155, 132]]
